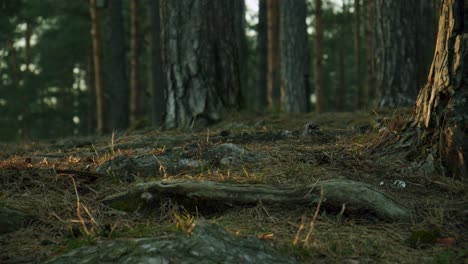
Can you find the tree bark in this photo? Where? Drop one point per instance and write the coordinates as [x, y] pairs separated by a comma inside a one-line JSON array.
[[357, 52], [26, 111], [262, 48], [294, 55], [402, 43], [395, 52], [201, 52], [118, 82], [135, 87], [99, 86], [441, 112], [274, 56], [318, 59], [156, 76], [207, 195], [369, 90], [341, 102], [91, 92]]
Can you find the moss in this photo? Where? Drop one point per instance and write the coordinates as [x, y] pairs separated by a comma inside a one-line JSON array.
[[423, 237], [74, 243], [145, 230]]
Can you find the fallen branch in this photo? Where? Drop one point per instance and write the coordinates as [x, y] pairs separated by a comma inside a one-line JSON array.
[[209, 194]]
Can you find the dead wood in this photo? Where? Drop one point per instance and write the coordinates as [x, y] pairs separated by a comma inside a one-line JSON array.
[[207, 194]]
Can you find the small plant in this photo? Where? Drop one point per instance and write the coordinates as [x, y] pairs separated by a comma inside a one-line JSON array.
[[305, 241], [185, 221]]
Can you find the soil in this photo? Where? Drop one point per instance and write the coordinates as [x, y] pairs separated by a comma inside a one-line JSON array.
[[57, 183]]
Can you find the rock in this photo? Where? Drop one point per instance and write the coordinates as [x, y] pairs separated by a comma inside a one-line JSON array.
[[177, 160], [208, 243]]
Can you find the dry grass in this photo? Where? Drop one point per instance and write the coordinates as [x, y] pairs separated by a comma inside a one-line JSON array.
[[57, 186]]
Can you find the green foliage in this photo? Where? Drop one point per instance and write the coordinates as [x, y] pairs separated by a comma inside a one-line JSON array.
[[424, 237], [451, 257], [41, 102]]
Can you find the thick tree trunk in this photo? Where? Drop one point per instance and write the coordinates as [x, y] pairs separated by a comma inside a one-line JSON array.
[[395, 52], [118, 82], [294, 55], [426, 37], [274, 56], [99, 86], [402, 42], [135, 87], [156, 75], [357, 52], [441, 112], [262, 48], [201, 53], [318, 59]]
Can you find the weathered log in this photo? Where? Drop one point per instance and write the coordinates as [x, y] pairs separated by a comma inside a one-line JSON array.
[[209, 194]]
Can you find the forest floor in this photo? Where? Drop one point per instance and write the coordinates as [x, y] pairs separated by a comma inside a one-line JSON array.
[[50, 180]]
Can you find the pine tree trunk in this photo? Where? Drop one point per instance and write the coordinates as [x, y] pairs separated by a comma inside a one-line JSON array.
[[441, 112], [99, 86], [201, 53], [395, 53], [118, 82], [294, 55], [247, 99], [26, 111], [341, 93], [91, 102], [318, 59], [156, 74], [427, 11], [369, 90], [274, 56], [341, 87], [262, 47], [357, 52], [135, 88]]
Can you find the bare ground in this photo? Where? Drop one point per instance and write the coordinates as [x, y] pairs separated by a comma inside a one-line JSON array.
[[56, 183]]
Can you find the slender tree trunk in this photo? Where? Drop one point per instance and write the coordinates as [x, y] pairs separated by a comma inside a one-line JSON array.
[[341, 87], [341, 62], [262, 48], [357, 52], [26, 112], [202, 55], [99, 84], [318, 59], [135, 87], [247, 95], [274, 61], [17, 83], [369, 90], [156, 75], [294, 55], [441, 112], [118, 82], [89, 79], [27, 49]]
